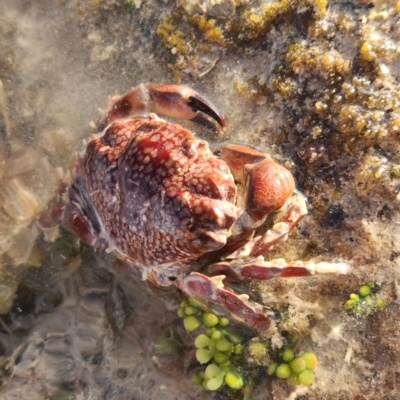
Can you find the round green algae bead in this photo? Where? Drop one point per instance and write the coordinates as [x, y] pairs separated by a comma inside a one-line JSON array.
[[225, 364], [233, 380], [288, 355], [214, 377], [216, 335], [283, 371], [195, 303], [184, 303], [310, 359], [220, 357], [203, 356], [298, 365], [223, 345], [223, 321], [293, 379], [380, 303], [181, 312], [210, 319], [191, 323], [190, 310], [214, 383], [202, 341], [354, 296], [238, 349], [210, 330], [306, 377], [349, 304], [272, 368], [364, 290], [212, 371]]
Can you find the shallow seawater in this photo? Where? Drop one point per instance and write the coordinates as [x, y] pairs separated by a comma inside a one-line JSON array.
[[82, 325], [314, 83], [85, 327]]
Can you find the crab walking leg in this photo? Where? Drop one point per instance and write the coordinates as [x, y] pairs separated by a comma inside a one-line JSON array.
[[278, 234], [174, 101], [273, 237], [77, 216], [259, 269], [212, 290]]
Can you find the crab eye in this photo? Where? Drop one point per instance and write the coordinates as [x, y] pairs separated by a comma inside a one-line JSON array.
[[172, 278]]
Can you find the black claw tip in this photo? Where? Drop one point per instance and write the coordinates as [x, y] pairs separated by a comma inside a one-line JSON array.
[[198, 103]]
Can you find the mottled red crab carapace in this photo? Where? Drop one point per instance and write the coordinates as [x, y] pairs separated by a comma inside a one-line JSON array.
[[158, 197]]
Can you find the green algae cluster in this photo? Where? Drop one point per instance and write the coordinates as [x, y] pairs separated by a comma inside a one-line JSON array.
[[368, 300], [232, 359], [218, 348], [296, 370]]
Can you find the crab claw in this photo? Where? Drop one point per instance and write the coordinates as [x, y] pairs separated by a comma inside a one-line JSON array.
[[181, 102], [174, 101], [212, 291], [267, 184]]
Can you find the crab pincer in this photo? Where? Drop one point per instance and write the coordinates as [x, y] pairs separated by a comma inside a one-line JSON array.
[[175, 101]]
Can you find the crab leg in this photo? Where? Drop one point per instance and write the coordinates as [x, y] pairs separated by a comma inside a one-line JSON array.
[[212, 290], [278, 233], [174, 101], [273, 237], [264, 270], [77, 216]]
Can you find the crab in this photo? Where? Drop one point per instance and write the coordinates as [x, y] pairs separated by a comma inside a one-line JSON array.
[[161, 200]]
